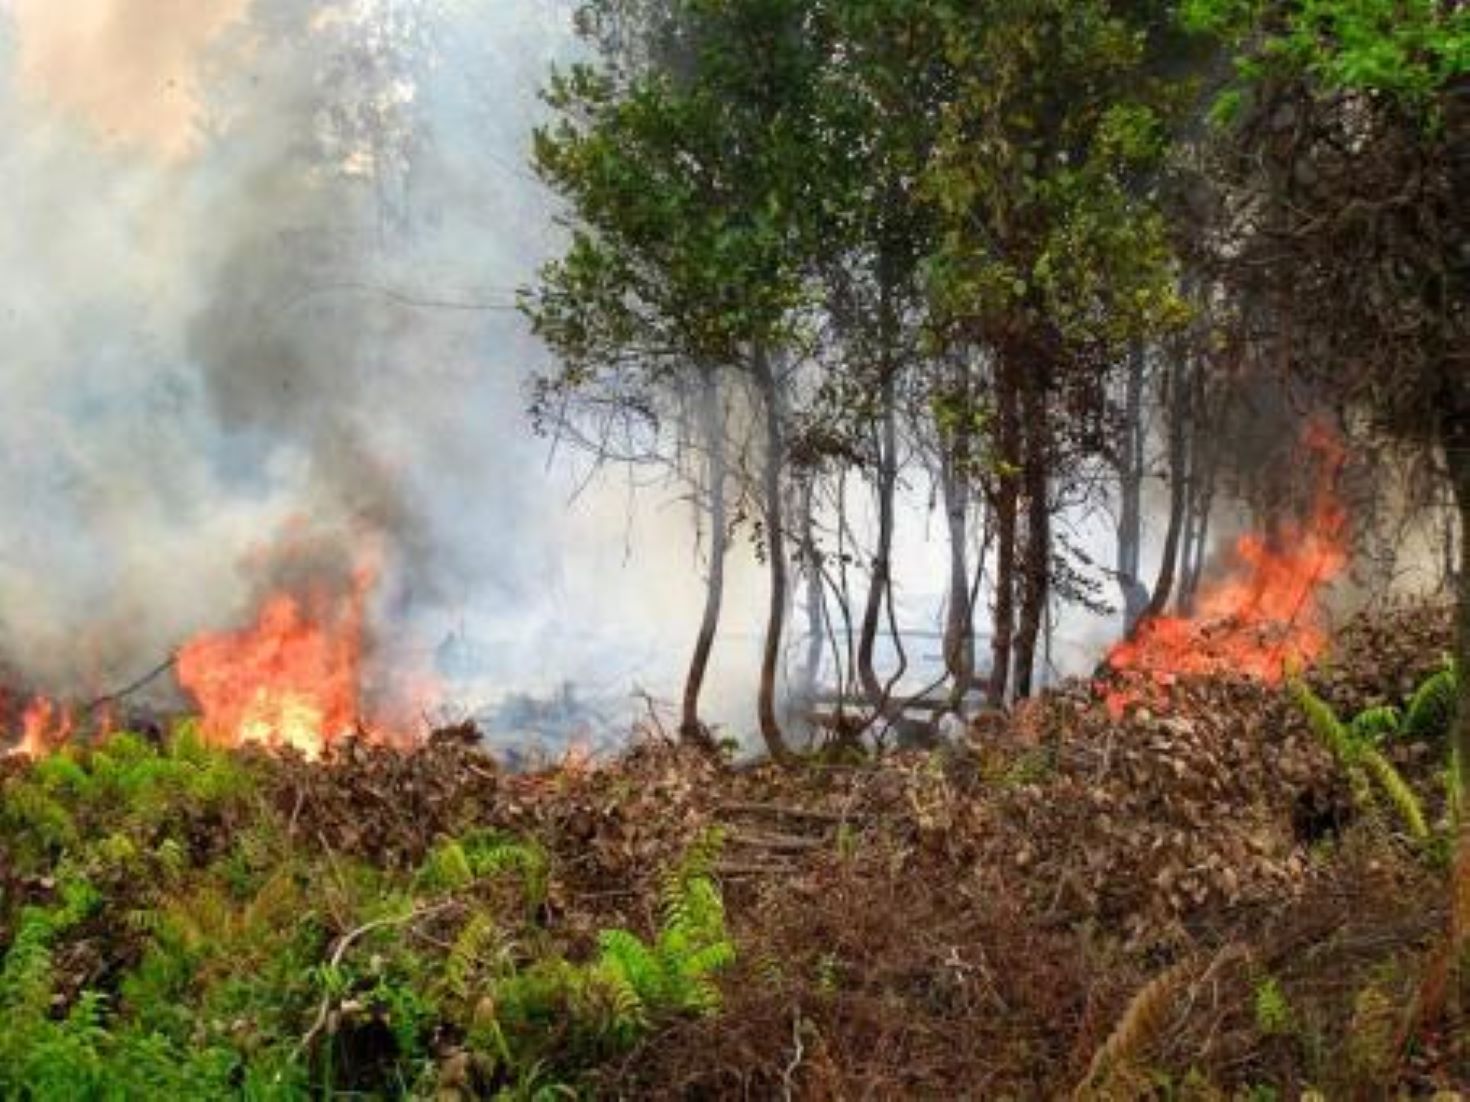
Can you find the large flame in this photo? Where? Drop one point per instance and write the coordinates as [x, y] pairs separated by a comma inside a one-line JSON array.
[[44, 725], [1263, 615], [290, 679]]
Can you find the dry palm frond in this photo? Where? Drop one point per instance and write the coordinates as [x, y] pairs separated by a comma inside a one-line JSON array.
[[1140, 1024]]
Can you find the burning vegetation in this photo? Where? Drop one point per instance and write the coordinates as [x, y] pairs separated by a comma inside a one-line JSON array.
[[831, 269], [290, 679], [1263, 614]]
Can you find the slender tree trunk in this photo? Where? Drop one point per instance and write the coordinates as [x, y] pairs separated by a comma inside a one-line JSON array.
[[1452, 521], [1007, 507], [770, 722], [1201, 505], [883, 553], [959, 625], [1459, 464], [1036, 569], [1178, 489], [1457, 452], [815, 594], [1130, 493], [691, 729]]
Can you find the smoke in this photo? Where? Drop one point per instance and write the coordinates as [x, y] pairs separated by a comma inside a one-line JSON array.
[[127, 69], [257, 277], [259, 274]]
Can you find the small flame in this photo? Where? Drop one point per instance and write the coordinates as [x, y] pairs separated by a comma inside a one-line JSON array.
[[1264, 616], [290, 679]]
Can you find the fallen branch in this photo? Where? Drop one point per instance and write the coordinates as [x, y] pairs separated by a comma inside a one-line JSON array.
[[128, 690], [777, 843], [741, 807]]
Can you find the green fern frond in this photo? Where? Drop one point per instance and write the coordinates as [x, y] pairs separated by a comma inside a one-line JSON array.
[[619, 998], [446, 868], [491, 854], [464, 955], [1376, 725], [1323, 721], [1360, 760], [1399, 793], [1431, 709], [626, 954]]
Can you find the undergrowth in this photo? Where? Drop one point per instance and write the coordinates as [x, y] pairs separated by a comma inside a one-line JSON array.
[[1359, 746], [166, 935]]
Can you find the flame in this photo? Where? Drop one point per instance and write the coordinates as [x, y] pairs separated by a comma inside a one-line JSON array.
[[44, 725], [1264, 616], [290, 679]]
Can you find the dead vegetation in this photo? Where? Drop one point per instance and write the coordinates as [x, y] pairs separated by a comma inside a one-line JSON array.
[[1187, 903]]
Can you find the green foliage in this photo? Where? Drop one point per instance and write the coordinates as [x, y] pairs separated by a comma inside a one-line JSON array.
[[1352, 746], [1431, 710], [1376, 725], [457, 863], [632, 984], [1272, 1011], [229, 953], [122, 786], [1405, 48]]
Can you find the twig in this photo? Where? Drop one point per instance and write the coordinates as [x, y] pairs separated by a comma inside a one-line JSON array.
[[744, 807], [795, 1062], [776, 843], [345, 942], [735, 869]]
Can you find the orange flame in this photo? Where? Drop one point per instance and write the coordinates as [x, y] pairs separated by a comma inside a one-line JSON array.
[[291, 679], [1263, 616], [44, 725]]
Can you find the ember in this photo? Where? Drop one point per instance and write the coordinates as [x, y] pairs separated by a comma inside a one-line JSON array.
[[1263, 616]]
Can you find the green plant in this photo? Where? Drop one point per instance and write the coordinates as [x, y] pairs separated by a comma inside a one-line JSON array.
[[1272, 1011], [1431, 709], [1360, 759], [482, 854], [1376, 725]]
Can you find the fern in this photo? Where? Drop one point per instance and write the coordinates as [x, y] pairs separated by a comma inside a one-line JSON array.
[[1360, 759], [1376, 725], [456, 863], [464, 955], [1399, 793], [1431, 710]]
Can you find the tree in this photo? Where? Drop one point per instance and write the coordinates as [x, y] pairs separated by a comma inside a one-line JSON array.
[[1053, 258], [686, 173], [1342, 165]]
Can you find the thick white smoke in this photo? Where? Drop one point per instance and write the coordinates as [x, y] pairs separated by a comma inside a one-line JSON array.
[[258, 272]]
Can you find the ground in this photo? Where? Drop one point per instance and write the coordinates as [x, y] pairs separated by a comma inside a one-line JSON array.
[[1196, 901]]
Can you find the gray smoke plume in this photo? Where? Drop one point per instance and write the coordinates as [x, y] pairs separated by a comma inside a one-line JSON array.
[[271, 298]]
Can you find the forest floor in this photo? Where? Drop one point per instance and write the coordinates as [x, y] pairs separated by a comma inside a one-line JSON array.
[[1192, 902]]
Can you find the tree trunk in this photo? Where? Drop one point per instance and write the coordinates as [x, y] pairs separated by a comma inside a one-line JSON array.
[[882, 557], [691, 729], [1036, 570], [815, 595], [770, 722], [1007, 504], [1459, 464], [1178, 490], [1457, 453], [1130, 494], [1201, 504], [959, 625]]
